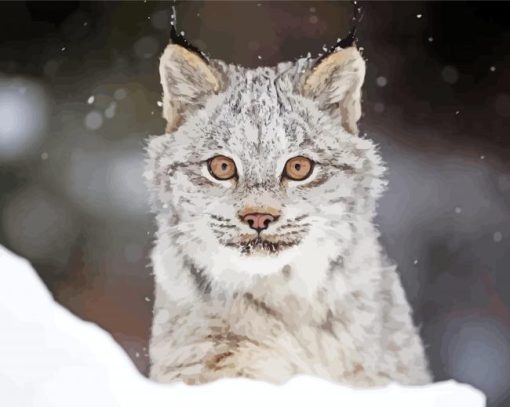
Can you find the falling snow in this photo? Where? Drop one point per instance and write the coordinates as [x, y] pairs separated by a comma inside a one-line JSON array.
[[110, 110], [381, 81], [120, 94], [93, 120]]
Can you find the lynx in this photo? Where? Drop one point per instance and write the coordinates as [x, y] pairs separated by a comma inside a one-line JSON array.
[[266, 260]]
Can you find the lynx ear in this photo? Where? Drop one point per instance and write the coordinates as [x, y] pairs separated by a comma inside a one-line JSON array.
[[336, 83], [187, 80]]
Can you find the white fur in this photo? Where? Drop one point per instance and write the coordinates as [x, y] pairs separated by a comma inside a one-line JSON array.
[[329, 304]]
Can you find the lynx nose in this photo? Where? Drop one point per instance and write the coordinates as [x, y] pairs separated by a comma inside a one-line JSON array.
[[258, 221]]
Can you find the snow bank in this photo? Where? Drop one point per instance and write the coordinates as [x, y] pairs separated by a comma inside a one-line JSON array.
[[49, 357]]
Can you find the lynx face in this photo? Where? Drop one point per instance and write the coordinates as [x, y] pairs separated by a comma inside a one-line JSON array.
[[261, 167]]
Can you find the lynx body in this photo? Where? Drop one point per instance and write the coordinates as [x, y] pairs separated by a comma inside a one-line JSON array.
[[261, 273]]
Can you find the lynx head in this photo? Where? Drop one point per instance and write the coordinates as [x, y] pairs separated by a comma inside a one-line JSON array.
[[261, 168]]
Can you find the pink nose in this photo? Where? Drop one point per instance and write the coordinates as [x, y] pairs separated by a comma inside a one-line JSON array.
[[258, 221]]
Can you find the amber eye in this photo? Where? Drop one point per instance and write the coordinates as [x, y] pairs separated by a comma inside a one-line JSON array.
[[222, 167], [298, 168]]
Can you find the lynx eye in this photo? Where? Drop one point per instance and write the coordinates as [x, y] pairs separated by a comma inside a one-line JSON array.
[[298, 168], [222, 168]]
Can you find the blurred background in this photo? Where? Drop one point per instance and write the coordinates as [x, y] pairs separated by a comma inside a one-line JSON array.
[[80, 93]]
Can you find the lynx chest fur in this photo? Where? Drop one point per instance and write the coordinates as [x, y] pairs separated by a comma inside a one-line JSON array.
[[267, 260]]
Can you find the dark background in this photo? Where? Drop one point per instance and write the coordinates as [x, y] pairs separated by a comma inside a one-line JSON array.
[[79, 93]]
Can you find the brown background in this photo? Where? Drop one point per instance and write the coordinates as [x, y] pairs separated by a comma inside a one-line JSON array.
[[436, 99]]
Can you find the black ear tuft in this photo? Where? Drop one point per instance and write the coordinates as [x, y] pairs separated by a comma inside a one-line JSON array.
[[178, 39], [348, 41]]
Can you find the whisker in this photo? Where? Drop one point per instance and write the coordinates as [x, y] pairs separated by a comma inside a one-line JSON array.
[[223, 226]]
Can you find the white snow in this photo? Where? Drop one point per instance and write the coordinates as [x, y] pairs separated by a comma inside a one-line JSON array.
[[49, 357], [110, 110], [381, 81], [24, 117], [93, 120], [120, 94]]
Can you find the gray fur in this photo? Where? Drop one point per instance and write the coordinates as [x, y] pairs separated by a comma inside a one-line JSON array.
[[313, 294]]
